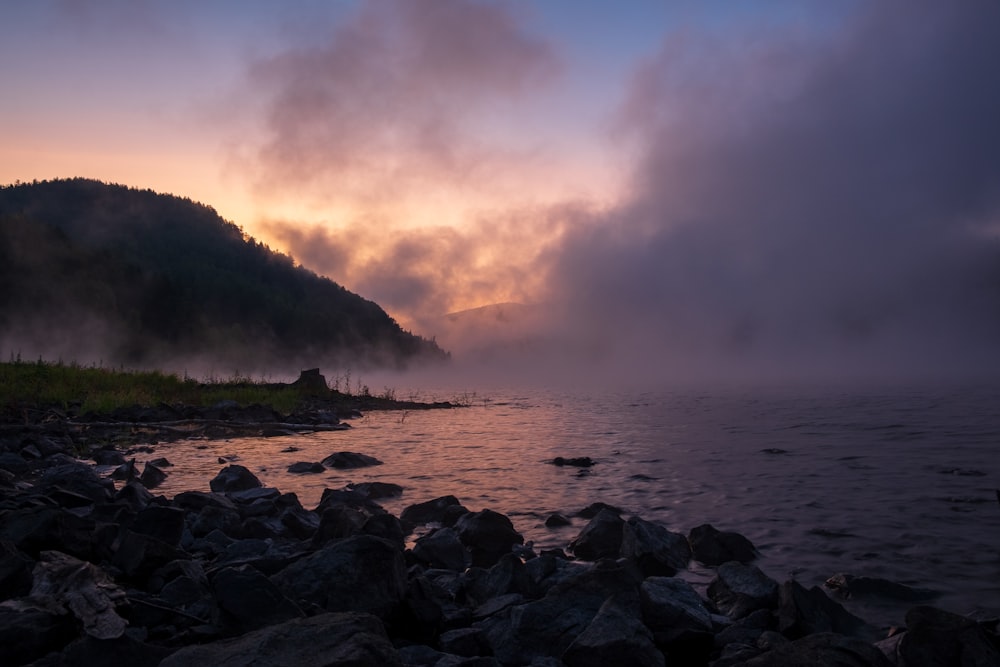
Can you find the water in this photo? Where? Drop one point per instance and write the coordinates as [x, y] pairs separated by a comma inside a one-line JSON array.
[[897, 484]]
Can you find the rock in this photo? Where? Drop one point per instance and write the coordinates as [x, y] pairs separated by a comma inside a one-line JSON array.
[[616, 636], [108, 457], [161, 462], [556, 520], [467, 642], [601, 538], [234, 478], [849, 586], [739, 589], [303, 467], [578, 462], [324, 640], [77, 478], [152, 476], [657, 551], [712, 547], [804, 612], [125, 472], [63, 582], [139, 555], [13, 463], [106, 653], [937, 637], [360, 573], [29, 634], [488, 535], [134, 495], [432, 511], [442, 549], [376, 490], [15, 571], [38, 529], [546, 627], [299, 522], [674, 611], [591, 510], [350, 460], [333, 498], [161, 522], [249, 600], [311, 381], [385, 526], [215, 518], [823, 650], [337, 523]]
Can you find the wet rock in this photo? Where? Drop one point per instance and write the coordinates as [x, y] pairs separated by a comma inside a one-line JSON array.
[[674, 612], [300, 523], [385, 526], [318, 641], [333, 498], [108, 457], [350, 460], [616, 636], [161, 462], [591, 510], [377, 490], [134, 495], [337, 523], [305, 467], [849, 586], [152, 476], [556, 520], [442, 549], [432, 511], [739, 589], [937, 637], [234, 478], [713, 547], [656, 550], [249, 600], [488, 535], [360, 573], [822, 650], [601, 538], [577, 462], [804, 612], [125, 472]]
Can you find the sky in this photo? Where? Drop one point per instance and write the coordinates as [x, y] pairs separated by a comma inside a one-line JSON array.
[[804, 183]]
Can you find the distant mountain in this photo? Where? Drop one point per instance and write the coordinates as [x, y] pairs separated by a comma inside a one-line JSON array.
[[492, 331], [92, 271]]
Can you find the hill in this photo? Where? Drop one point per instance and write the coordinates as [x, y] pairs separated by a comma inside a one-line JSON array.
[[92, 272]]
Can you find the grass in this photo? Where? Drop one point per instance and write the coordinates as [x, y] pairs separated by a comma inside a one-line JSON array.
[[102, 390]]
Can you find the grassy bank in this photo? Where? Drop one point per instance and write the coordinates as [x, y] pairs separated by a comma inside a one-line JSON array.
[[102, 390]]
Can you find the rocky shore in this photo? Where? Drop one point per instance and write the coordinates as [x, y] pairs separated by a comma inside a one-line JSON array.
[[94, 572]]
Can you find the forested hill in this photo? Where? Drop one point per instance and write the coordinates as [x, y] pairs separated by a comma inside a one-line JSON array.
[[97, 272]]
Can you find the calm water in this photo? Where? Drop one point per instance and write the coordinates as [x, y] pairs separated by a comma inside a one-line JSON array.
[[897, 484]]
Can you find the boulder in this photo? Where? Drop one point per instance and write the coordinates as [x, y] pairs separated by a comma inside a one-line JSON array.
[[804, 612], [15, 571], [333, 498], [108, 457], [849, 586], [385, 526], [249, 600], [38, 529], [488, 535], [27, 635], [162, 522], [61, 582], [377, 490], [139, 555], [601, 538], [556, 520], [336, 523], [674, 611], [134, 495], [106, 653], [306, 467], [713, 547], [657, 551], [823, 649], [152, 476], [350, 460], [234, 478], [77, 478], [442, 549], [591, 510], [318, 641], [359, 573], [937, 637], [739, 589], [616, 636], [432, 511]]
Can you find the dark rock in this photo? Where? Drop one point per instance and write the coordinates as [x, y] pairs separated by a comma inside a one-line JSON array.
[[249, 600], [152, 476], [360, 573], [13, 463], [712, 547], [937, 637], [739, 589], [125, 472], [319, 641], [548, 626], [336, 523], [340, 498], [674, 611], [108, 457], [601, 538], [300, 523], [592, 510], [577, 462], [656, 550], [134, 495], [139, 555], [376, 490], [385, 526], [557, 520], [350, 460], [234, 478], [29, 634], [161, 522], [106, 653], [432, 511], [215, 518], [804, 612], [488, 535], [15, 571], [303, 467], [161, 462], [312, 381], [548, 570], [467, 642], [195, 501], [246, 497], [38, 529], [442, 549], [823, 650], [60, 582], [616, 636], [849, 586], [78, 478]]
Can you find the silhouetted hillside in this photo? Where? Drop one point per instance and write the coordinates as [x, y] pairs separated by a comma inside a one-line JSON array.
[[95, 271]]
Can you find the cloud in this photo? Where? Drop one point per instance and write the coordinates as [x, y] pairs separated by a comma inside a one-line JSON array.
[[803, 203]]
